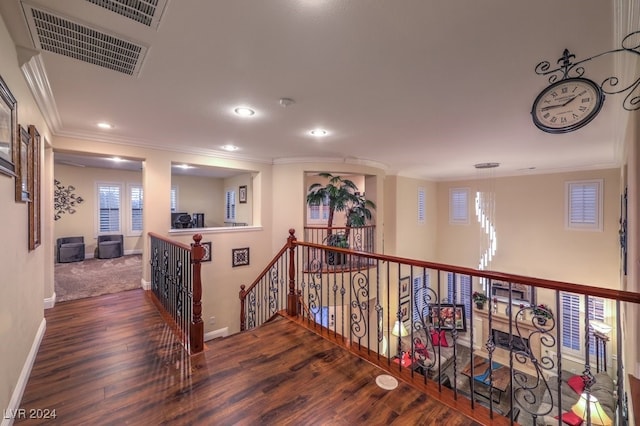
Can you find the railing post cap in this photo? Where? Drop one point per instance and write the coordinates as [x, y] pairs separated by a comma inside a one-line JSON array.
[[197, 238]]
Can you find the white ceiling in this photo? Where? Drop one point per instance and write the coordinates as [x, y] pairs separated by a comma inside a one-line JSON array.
[[424, 88]]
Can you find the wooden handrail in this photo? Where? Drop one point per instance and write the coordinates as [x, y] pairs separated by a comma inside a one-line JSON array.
[[196, 325], [594, 291]]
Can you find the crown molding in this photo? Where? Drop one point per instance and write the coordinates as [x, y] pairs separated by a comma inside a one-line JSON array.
[[333, 160], [34, 72]]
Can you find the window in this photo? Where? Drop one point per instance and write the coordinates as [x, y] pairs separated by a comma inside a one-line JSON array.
[[230, 206], [174, 199], [573, 322], [421, 206], [459, 205], [135, 199], [463, 290], [420, 298], [318, 213], [109, 208], [584, 204]]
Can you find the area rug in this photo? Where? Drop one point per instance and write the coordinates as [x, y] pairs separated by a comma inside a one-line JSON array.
[[462, 384], [94, 277]]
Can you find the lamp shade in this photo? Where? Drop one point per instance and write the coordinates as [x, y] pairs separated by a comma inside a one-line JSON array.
[[399, 329], [598, 416]]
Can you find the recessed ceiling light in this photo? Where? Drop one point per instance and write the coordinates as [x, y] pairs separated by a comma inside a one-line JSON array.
[[230, 148], [118, 160], [318, 133], [183, 166], [244, 111], [104, 125]]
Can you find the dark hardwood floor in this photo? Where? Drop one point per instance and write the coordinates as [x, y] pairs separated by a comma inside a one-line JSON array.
[[111, 360]]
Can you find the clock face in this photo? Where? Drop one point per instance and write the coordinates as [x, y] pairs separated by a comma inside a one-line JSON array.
[[567, 105]]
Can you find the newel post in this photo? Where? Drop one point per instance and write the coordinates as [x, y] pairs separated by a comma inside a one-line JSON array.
[[292, 298], [242, 295], [196, 334]]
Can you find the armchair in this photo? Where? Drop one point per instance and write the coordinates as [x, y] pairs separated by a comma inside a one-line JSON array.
[[110, 246], [70, 249]]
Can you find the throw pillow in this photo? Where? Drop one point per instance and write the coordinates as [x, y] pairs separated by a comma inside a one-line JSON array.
[[576, 383], [570, 418], [439, 339], [421, 348]]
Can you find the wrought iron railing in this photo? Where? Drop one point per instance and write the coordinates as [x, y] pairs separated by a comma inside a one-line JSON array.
[[176, 287], [361, 238], [525, 364]]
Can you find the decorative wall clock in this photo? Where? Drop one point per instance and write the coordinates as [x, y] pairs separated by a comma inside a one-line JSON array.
[[567, 105]]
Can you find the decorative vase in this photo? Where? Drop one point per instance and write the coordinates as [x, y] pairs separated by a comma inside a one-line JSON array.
[[542, 321], [480, 305]]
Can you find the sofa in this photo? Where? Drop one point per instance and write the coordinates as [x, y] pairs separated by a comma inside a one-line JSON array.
[[432, 352], [602, 389]]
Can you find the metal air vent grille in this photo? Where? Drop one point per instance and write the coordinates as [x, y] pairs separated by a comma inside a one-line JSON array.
[[59, 35], [147, 12]]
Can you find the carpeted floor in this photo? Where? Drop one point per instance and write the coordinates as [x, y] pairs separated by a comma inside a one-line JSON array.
[[93, 277]]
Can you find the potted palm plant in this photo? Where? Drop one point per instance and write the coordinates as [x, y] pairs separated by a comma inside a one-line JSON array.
[[342, 196]]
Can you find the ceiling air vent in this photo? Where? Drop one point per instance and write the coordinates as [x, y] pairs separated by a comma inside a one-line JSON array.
[[57, 34], [147, 12]]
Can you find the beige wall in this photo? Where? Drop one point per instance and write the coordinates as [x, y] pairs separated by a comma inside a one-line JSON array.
[[84, 222], [414, 240], [530, 226], [201, 195], [23, 271]]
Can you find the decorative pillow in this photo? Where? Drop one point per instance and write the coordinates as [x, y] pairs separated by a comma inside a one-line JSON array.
[[421, 348], [439, 339], [570, 418], [576, 383]]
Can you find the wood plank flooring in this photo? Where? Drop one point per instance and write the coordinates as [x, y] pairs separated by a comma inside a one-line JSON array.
[[111, 360]]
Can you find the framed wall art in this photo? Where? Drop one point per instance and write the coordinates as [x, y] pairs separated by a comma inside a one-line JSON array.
[[22, 166], [449, 316], [405, 286], [8, 130], [33, 179], [240, 257], [243, 193], [404, 311]]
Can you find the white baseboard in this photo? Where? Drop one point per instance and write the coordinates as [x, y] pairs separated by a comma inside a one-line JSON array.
[[222, 332], [146, 285], [50, 302], [18, 391]]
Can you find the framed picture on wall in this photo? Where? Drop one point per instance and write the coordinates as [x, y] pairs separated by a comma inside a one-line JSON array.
[[405, 287], [34, 188], [23, 166], [449, 316], [8, 130], [243, 193], [404, 311]]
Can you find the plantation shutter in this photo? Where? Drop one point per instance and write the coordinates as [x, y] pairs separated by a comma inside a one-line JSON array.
[[570, 305], [463, 291], [596, 313], [109, 216], [420, 302], [136, 208], [459, 205], [230, 206], [421, 206], [583, 199], [174, 199]]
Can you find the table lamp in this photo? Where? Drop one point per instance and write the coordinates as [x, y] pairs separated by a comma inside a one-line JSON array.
[[598, 416], [399, 330]]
